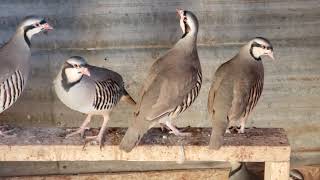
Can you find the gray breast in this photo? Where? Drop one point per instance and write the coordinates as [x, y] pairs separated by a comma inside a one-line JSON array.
[[10, 90], [189, 98], [107, 95]]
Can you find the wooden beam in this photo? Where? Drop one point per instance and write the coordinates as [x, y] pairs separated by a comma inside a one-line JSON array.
[[277, 170], [41, 144], [155, 153], [212, 174]]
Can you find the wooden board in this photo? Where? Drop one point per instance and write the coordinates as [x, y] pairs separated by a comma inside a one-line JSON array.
[[212, 174], [44, 144]]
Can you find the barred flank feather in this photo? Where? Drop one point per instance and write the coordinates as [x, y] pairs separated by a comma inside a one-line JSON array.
[[107, 95], [255, 93], [10, 90], [190, 97]]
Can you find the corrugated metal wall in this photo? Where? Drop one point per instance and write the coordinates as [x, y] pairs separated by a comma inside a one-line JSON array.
[[132, 34]]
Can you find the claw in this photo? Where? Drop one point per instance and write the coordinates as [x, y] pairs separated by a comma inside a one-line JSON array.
[[80, 131], [241, 131], [163, 127], [7, 133], [97, 139], [178, 133]]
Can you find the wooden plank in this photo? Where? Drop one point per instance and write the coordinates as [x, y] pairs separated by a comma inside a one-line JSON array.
[[212, 174], [43, 144], [42, 168], [277, 170]]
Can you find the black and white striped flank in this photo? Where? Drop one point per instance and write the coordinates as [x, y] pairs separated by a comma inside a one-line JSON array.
[[190, 97], [108, 94], [10, 90]]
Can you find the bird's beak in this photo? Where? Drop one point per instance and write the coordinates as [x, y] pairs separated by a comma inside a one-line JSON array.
[[85, 71], [47, 27], [271, 55], [180, 13]]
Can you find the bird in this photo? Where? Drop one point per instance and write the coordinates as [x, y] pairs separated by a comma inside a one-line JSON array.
[[171, 86], [237, 87], [240, 171], [15, 61], [90, 90]]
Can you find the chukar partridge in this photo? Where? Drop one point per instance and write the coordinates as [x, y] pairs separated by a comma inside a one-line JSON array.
[[15, 61], [171, 86], [91, 90], [236, 89]]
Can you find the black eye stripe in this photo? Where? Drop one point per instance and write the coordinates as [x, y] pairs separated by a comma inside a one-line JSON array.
[[255, 44]]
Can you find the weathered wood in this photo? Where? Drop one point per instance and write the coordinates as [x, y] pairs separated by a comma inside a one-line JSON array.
[[276, 170], [212, 174], [42, 168], [256, 145]]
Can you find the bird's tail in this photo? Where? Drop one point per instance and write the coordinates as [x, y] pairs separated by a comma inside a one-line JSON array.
[[134, 134], [219, 127], [127, 98], [219, 118]]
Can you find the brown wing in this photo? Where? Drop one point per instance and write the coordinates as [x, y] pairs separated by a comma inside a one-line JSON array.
[[157, 67], [246, 96], [217, 85], [174, 89]]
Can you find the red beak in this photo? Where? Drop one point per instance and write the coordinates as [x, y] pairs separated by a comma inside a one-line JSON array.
[[85, 71], [180, 12], [47, 26]]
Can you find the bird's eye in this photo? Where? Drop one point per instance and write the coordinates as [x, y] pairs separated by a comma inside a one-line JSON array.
[[37, 25], [76, 65], [185, 19]]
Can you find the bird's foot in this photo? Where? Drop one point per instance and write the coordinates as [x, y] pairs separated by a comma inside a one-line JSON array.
[[178, 133], [96, 139], [175, 131], [80, 131], [240, 130], [6, 131], [163, 127], [232, 130], [228, 131]]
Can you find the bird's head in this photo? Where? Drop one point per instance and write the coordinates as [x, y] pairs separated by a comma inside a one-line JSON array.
[[188, 22], [260, 47], [32, 25], [74, 68]]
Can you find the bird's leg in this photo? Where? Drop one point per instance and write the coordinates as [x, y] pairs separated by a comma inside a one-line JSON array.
[[242, 124], [230, 129], [99, 137], [83, 127], [164, 127], [175, 131]]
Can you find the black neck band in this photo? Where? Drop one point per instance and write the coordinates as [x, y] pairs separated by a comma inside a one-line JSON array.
[[186, 30], [25, 36], [64, 80]]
